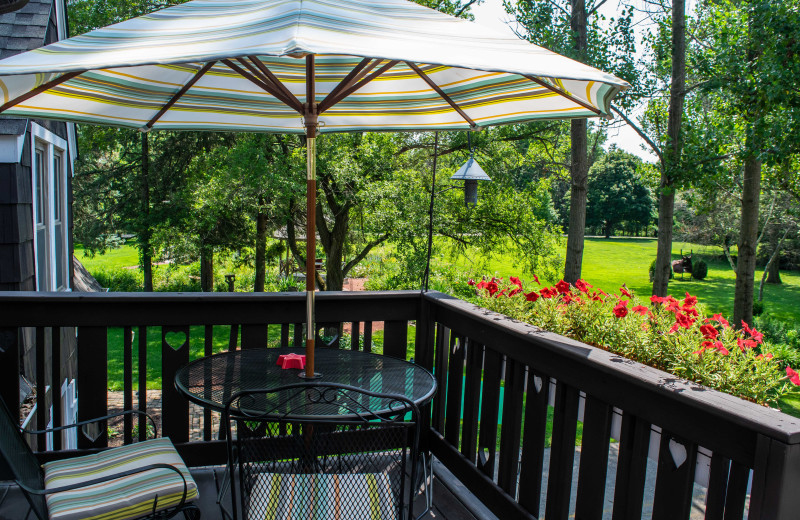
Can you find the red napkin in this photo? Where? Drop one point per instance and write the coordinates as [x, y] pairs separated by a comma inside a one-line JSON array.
[[291, 361]]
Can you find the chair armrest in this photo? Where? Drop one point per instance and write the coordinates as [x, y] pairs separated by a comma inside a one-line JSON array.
[[108, 478], [98, 419]]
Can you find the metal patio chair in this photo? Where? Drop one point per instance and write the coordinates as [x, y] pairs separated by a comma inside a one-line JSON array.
[[317, 450], [146, 479]]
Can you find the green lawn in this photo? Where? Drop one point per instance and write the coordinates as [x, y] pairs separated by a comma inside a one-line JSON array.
[[118, 258], [608, 263]]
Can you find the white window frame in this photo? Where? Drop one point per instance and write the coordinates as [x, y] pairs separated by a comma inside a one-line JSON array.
[[52, 145]]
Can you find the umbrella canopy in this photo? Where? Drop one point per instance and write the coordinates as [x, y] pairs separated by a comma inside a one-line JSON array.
[[300, 66]]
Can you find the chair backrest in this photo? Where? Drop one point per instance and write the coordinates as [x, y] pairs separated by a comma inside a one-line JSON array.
[[328, 446], [20, 460]]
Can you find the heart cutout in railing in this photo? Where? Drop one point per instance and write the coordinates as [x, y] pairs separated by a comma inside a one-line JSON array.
[[175, 339], [93, 431], [678, 452], [537, 382]]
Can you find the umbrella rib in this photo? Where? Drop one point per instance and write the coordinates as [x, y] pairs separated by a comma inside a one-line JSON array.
[[41, 88], [264, 79], [278, 83], [352, 77], [268, 88], [349, 90], [563, 93], [189, 84], [441, 92]]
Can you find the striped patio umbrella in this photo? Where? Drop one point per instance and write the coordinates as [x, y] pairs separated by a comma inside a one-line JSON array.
[[300, 66]]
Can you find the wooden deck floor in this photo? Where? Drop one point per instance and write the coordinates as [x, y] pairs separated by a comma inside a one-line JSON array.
[[446, 505]]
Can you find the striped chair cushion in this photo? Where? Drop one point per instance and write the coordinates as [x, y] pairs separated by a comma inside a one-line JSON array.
[[365, 496], [124, 498]]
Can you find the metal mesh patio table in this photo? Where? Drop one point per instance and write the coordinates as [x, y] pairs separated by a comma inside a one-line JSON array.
[[211, 381]]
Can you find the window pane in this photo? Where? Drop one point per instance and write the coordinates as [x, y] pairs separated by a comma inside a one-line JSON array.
[[59, 186], [40, 185]]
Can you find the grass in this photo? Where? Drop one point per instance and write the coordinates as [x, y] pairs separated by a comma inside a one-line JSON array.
[[608, 263], [117, 258]]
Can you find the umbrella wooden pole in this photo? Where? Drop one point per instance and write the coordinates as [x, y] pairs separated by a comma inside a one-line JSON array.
[[310, 119]]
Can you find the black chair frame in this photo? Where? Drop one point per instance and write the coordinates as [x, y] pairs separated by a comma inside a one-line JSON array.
[[278, 422]]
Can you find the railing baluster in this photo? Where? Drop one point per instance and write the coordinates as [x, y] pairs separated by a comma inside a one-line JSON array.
[[234, 338], [530, 476], [368, 336], [41, 385], [472, 394], [562, 451], [512, 425], [395, 339], [9, 368], [142, 373], [92, 385], [127, 383], [455, 385], [674, 479], [355, 329], [255, 336], [631, 468], [175, 407], [284, 335], [440, 373], [208, 350], [55, 385], [593, 471], [717, 484], [490, 409], [298, 335], [736, 493]]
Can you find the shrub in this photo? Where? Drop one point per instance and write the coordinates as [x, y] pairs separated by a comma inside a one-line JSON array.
[[699, 270], [665, 333], [758, 308], [120, 280]]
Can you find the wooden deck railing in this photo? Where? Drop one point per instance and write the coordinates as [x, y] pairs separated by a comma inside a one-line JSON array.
[[501, 383]]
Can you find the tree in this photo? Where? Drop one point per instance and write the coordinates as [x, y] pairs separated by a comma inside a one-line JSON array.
[[617, 193], [749, 51], [571, 27]]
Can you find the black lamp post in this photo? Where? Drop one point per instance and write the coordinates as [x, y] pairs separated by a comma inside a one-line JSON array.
[[470, 172]]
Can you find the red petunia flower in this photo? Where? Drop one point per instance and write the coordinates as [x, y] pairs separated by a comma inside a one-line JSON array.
[[536, 279], [641, 310], [745, 344], [657, 299], [471, 282], [683, 320], [765, 357], [501, 293], [516, 281], [548, 292], [793, 376], [492, 287], [624, 291], [719, 319], [621, 309], [515, 292], [709, 331], [483, 284], [689, 301], [532, 296], [583, 286], [562, 287], [569, 298]]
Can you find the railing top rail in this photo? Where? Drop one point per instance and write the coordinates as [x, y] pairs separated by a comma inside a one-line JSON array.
[[653, 394], [29, 309]]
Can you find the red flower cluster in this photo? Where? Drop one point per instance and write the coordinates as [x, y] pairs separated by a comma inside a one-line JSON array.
[[793, 376], [621, 309], [713, 345]]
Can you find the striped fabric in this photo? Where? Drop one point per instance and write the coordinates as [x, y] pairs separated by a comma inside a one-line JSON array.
[[366, 496], [120, 499], [132, 69]]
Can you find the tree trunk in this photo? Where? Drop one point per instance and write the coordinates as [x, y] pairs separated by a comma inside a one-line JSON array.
[[579, 166], [577, 205], [773, 271], [672, 152], [207, 268], [145, 245], [746, 263], [261, 251]]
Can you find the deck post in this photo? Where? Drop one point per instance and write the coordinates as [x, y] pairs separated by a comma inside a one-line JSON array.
[[776, 479]]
